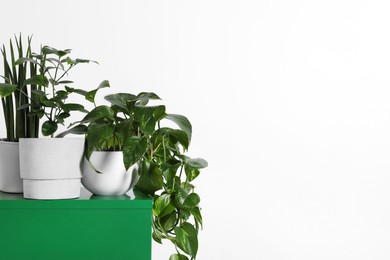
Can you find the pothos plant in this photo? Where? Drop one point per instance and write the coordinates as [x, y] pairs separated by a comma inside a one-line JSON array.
[[166, 173], [50, 87]]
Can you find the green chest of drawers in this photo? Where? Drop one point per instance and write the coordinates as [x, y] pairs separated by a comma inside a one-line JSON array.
[[88, 228]]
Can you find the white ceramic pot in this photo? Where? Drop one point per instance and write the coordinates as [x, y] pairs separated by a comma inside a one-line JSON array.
[[10, 180], [51, 167], [113, 178]]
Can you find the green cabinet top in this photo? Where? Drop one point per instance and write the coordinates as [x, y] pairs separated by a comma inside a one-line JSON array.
[[86, 201]]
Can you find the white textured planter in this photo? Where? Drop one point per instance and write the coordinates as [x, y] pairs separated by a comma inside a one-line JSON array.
[[113, 178], [10, 180], [51, 167]]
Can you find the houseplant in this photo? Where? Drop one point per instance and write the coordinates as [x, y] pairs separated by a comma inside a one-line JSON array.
[[165, 173], [57, 174], [13, 94]]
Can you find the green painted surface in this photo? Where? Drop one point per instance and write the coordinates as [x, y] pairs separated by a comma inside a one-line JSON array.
[[87, 228]]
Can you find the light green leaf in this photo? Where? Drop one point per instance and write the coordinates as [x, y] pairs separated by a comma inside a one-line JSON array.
[[7, 89], [197, 163], [178, 257], [187, 238]]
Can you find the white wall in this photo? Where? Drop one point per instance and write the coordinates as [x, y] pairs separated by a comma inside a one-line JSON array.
[[289, 101]]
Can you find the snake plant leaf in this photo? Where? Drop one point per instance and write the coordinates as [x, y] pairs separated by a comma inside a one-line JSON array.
[[77, 130], [133, 149], [90, 96], [178, 257], [39, 80], [183, 123], [187, 238], [49, 127], [7, 89]]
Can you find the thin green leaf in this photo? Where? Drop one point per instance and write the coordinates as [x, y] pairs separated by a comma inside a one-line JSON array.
[[77, 130]]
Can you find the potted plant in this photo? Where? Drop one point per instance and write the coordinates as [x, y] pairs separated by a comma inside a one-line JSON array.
[[50, 167], [13, 94], [133, 131]]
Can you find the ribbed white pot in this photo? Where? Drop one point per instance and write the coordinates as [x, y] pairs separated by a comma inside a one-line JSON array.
[[10, 180], [113, 178], [51, 167]]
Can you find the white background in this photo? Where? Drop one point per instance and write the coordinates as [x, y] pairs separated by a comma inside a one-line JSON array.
[[289, 102]]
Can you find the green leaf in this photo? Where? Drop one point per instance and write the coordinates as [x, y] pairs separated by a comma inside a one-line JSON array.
[[134, 148], [162, 206], [181, 196], [65, 82], [169, 172], [49, 127], [23, 106], [77, 130], [178, 257], [61, 94], [7, 89], [39, 80], [49, 50], [75, 90], [191, 173], [120, 99], [38, 92], [151, 179], [99, 113], [147, 117], [85, 61], [182, 122], [23, 60], [97, 134], [90, 96], [191, 201], [187, 238], [179, 136], [73, 107], [197, 215], [69, 60], [168, 221], [197, 163]]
